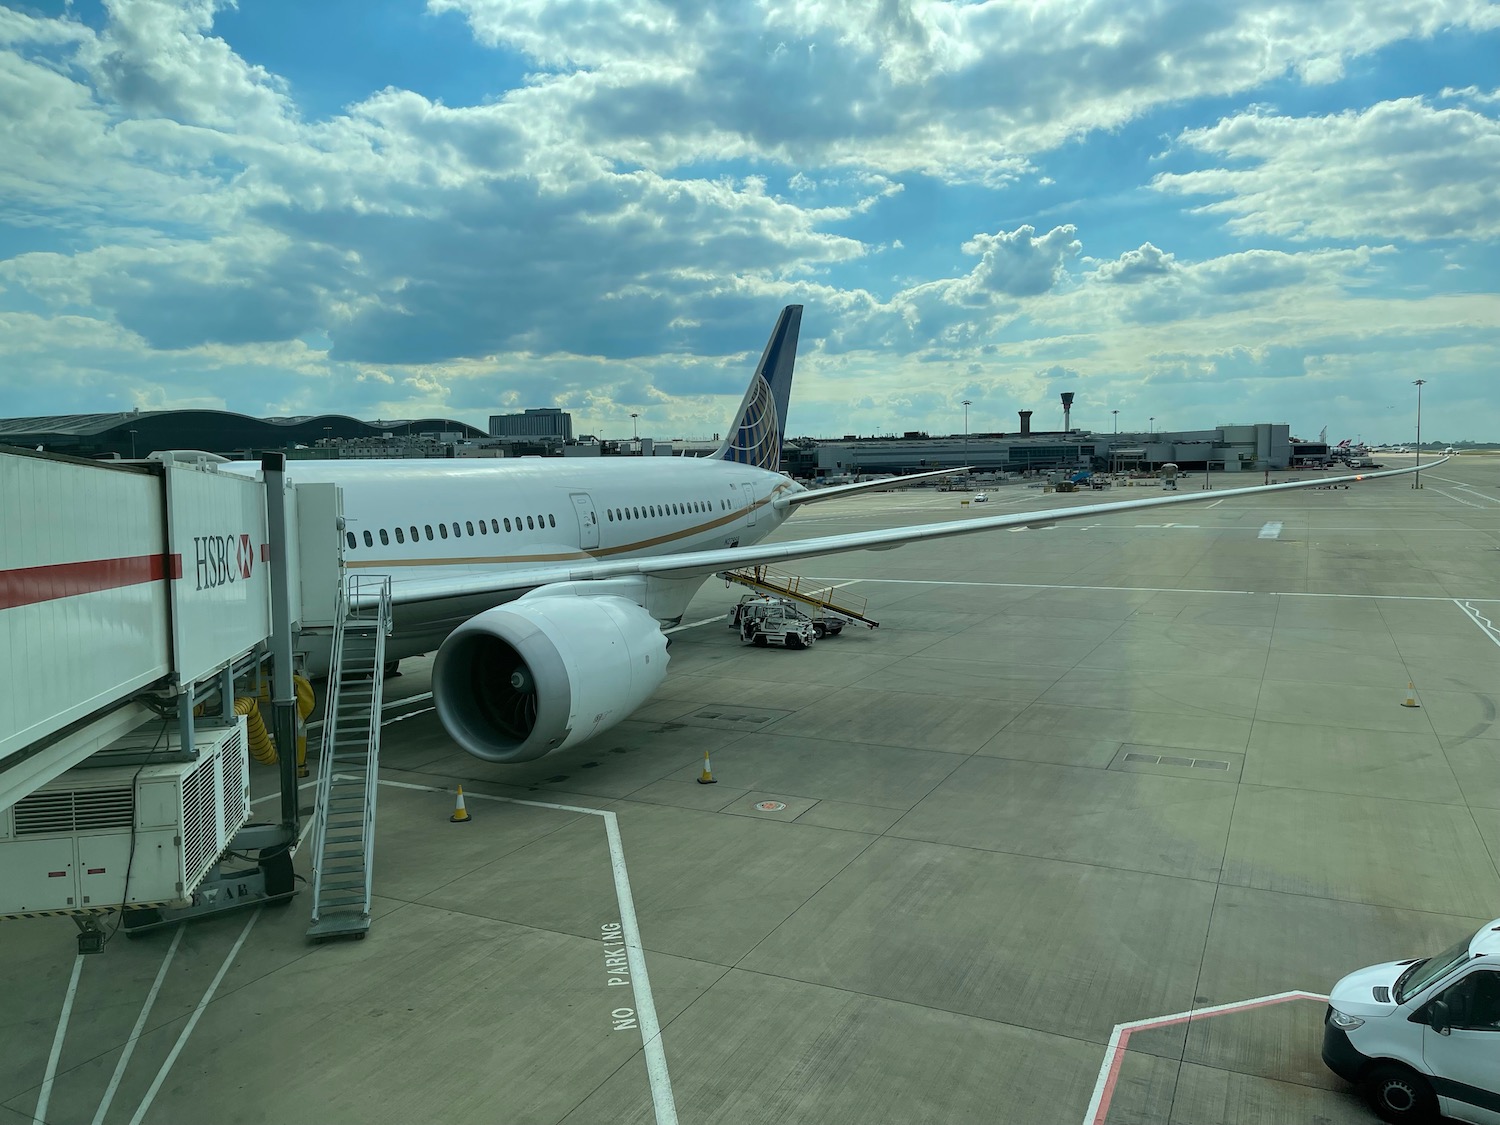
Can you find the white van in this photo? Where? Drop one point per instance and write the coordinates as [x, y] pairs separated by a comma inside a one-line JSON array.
[[1423, 1037]]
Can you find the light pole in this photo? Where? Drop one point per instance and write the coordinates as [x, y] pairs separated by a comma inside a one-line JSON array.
[[132, 445], [635, 439], [967, 403], [1417, 477], [1116, 413], [1151, 425]]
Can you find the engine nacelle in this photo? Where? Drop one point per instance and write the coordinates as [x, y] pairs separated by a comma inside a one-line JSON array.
[[544, 673]]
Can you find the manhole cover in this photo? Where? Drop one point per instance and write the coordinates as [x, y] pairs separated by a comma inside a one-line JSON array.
[[770, 806], [722, 716]]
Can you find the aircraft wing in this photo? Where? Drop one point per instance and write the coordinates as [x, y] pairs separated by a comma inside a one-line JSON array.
[[812, 496], [699, 564]]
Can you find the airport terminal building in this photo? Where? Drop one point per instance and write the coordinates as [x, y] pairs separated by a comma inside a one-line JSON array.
[[1226, 448]]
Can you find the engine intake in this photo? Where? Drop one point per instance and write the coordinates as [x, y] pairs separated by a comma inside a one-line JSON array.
[[524, 680]]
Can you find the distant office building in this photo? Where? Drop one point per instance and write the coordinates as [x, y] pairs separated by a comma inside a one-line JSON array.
[[545, 422]]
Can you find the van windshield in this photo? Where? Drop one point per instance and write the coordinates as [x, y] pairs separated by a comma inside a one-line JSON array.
[[1420, 975]]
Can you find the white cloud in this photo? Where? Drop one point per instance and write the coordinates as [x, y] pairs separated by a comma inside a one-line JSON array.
[[1136, 265], [618, 228], [1399, 169], [953, 89], [158, 60], [1472, 94]]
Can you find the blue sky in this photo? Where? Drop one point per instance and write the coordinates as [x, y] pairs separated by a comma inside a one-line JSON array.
[[1273, 210]]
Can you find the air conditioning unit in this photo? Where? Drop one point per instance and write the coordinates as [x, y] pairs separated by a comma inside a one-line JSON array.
[[70, 845]]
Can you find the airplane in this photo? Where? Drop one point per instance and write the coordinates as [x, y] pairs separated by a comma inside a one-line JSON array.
[[545, 584]]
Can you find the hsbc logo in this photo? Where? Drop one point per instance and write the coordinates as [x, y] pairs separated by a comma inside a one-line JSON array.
[[223, 559]]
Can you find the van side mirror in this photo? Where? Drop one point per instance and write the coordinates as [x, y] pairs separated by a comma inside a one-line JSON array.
[[1438, 1017]]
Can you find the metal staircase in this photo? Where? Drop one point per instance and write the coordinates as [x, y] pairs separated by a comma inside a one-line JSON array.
[[345, 834], [822, 599]]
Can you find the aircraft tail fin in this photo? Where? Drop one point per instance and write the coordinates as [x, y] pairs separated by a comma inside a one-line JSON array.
[[756, 434]]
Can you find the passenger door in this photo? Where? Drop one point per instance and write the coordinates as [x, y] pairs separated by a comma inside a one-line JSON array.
[[1465, 1063], [747, 498], [588, 521]]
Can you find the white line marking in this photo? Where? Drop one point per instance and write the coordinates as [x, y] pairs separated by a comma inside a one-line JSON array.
[[1271, 530], [1481, 495], [656, 1058], [640, 984], [57, 1041], [1489, 628], [1165, 590], [694, 624], [301, 836], [1216, 503], [135, 1032], [166, 1067], [408, 715], [1119, 1039], [402, 702], [1460, 500], [308, 784]]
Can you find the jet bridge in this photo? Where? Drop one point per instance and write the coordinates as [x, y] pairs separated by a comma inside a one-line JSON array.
[[114, 578], [142, 592]]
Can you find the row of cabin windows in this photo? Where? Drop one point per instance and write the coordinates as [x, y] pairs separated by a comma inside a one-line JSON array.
[[459, 530], [649, 511], [646, 511]]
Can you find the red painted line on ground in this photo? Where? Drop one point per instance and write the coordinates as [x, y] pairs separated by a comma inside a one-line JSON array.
[[29, 585], [1119, 1046]]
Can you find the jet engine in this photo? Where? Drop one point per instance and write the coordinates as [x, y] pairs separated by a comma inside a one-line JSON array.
[[544, 673]]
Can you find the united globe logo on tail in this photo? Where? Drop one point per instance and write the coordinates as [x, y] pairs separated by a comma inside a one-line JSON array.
[[757, 442], [759, 428]]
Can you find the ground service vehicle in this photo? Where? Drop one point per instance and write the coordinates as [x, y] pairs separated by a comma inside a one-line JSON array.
[[825, 624], [776, 623], [1422, 1037]]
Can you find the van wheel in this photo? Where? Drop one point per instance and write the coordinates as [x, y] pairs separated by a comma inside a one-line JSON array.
[[794, 641], [1399, 1093], [759, 639]]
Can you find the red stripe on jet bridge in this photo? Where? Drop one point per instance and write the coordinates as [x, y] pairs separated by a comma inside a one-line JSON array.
[[29, 585]]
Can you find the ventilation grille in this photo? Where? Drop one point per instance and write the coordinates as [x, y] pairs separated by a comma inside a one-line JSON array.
[[1382, 994], [200, 820], [75, 810], [235, 795]]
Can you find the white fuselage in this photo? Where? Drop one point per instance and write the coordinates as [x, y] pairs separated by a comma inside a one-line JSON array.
[[419, 520]]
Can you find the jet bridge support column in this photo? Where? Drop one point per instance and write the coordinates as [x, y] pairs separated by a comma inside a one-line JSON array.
[[283, 691]]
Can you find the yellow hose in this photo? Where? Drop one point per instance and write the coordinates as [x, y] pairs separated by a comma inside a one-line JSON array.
[[262, 745], [262, 749]]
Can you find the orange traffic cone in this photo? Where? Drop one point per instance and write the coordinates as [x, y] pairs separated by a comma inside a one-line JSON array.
[[1411, 695], [707, 776], [460, 814]]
